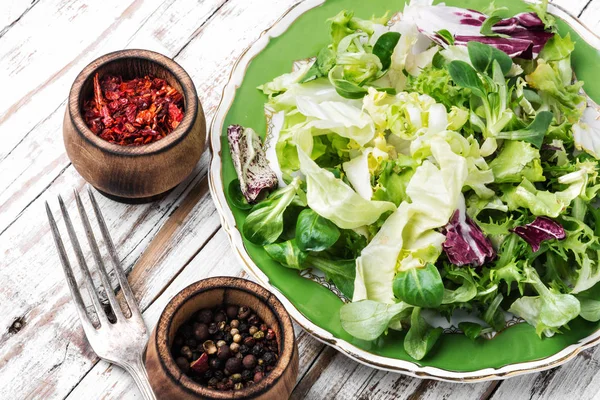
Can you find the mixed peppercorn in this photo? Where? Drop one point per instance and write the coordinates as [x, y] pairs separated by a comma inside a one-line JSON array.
[[133, 112], [225, 348]]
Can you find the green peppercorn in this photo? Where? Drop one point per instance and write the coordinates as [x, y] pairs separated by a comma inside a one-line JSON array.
[[236, 378], [260, 335], [238, 386]]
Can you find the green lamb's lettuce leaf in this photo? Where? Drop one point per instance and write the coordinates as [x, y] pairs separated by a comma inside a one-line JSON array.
[[534, 133], [385, 47], [482, 57], [315, 233], [420, 287], [421, 337], [547, 312], [264, 224], [368, 319], [471, 330], [287, 253], [341, 272], [517, 160]]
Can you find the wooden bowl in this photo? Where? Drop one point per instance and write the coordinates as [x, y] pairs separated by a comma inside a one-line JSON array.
[[143, 173], [169, 382]]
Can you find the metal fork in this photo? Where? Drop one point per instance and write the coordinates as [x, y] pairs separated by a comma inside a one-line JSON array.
[[121, 341]]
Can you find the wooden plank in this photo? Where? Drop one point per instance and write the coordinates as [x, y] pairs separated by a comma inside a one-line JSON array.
[[216, 258], [13, 12], [335, 376], [578, 379]]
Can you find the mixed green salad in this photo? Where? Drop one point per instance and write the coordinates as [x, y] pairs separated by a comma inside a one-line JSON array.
[[444, 160]]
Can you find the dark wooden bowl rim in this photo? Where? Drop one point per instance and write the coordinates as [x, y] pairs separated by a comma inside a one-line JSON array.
[[189, 94], [234, 284]]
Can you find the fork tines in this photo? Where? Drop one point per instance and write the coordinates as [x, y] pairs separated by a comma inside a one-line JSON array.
[[87, 276]]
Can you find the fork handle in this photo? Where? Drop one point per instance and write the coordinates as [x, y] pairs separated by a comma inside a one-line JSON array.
[[140, 376]]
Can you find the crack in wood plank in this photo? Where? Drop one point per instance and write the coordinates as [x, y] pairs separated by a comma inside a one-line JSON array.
[[14, 22]]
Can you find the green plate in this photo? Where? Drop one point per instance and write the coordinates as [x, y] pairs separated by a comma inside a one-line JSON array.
[[299, 34]]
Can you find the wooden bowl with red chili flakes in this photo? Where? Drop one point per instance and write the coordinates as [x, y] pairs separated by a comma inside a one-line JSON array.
[[134, 127]]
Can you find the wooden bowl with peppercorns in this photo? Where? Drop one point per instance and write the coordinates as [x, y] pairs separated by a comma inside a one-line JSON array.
[[223, 338], [134, 127]]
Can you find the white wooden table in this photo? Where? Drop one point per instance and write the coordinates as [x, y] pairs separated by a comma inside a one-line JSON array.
[[166, 245]]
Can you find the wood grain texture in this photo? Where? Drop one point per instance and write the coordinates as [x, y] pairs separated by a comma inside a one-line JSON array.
[[134, 174], [165, 376], [39, 58]]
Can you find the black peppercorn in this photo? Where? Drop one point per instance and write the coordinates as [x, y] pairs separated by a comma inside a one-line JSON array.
[[186, 331], [244, 350], [233, 365], [212, 382], [201, 332], [186, 352], [269, 358], [253, 320], [242, 327], [219, 335], [218, 374], [178, 341], [191, 343], [258, 350], [213, 328], [215, 363], [228, 338], [224, 352], [249, 341], [208, 374], [243, 312], [232, 311], [259, 368], [249, 361], [247, 375], [183, 364], [220, 317]]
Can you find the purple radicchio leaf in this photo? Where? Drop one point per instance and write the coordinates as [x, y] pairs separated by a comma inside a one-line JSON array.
[[543, 228], [250, 163], [526, 30], [465, 242]]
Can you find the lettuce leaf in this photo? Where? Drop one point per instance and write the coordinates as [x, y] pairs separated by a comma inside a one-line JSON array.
[[547, 312], [333, 199], [517, 160], [434, 192]]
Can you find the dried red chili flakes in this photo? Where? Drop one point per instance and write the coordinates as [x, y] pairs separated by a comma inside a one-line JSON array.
[[134, 112]]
